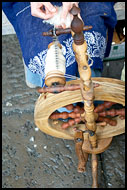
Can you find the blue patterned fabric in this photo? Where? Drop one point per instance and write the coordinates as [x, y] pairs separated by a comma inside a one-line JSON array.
[[34, 46]]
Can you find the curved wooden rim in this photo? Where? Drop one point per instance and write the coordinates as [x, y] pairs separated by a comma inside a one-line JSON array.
[[109, 90]]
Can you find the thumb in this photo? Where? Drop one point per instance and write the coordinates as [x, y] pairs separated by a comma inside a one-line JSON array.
[[64, 13]]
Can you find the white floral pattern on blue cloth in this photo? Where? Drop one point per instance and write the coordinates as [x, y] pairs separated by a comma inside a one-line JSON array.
[[96, 45]]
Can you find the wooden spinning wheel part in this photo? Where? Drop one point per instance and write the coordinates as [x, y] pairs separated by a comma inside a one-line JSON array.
[[51, 79], [102, 145], [112, 90]]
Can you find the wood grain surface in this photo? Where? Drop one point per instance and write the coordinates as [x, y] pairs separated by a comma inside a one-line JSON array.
[[109, 90]]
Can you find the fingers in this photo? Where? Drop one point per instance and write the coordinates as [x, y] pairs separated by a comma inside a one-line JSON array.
[[47, 11], [38, 11], [50, 7], [66, 8]]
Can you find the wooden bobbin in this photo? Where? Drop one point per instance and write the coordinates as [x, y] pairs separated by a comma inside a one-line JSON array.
[[53, 43], [55, 77]]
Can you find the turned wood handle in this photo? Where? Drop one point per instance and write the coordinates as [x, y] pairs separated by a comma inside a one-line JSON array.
[[75, 10], [58, 89], [95, 171], [63, 31], [103, 106], [113, 112], [78, 138]]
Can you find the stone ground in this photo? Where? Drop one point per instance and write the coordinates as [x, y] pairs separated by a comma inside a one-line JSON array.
[[32, 159]]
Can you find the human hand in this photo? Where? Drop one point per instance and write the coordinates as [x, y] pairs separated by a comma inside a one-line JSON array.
[[43, 10], [66, 8]]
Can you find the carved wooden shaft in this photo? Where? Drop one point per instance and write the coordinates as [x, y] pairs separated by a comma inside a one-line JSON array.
[[94, 170], [71, 122], [82, 157], [113, 112], [103, 106], [63, 31], [107, 120], [80, 49], [58, 89], [64, 115], [79, 116]]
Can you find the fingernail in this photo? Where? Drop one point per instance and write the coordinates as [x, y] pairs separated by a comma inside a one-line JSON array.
[[53, 10]]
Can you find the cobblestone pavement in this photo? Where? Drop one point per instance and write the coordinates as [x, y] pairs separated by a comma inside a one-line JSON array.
[[32, 159]]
